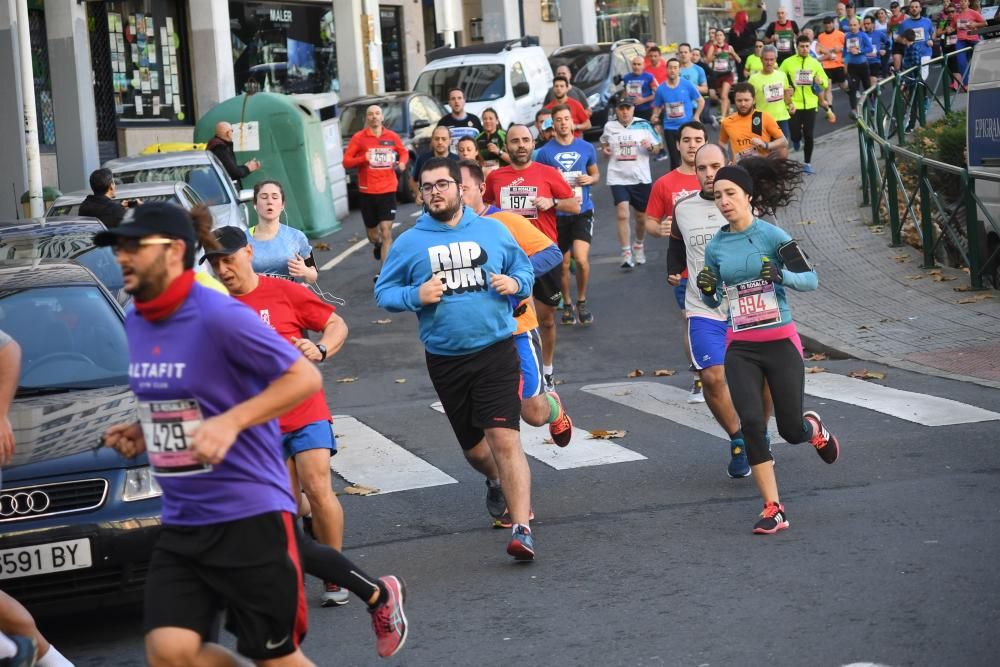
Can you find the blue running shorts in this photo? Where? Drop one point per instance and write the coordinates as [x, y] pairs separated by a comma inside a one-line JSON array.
[[529, 348], [707, 338], [317, 435]]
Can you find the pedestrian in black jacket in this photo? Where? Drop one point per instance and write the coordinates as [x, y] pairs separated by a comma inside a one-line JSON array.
[[743, 34], [222, 145], [102, 204]]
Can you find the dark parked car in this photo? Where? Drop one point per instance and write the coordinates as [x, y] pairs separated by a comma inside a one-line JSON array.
[[63, 237], [413, 116], [77, 521], [597, 70]]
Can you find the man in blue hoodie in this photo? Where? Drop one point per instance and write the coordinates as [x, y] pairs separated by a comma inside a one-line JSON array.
[[462, 275]]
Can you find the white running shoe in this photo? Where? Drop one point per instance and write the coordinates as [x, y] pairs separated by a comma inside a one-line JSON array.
[[627, 263], [639, 253], [696, 395]]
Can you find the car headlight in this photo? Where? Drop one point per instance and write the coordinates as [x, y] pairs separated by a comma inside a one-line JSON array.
[[594, 100], [140, 484]]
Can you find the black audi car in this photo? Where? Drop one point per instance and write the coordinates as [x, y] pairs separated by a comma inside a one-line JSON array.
[[77, 521]]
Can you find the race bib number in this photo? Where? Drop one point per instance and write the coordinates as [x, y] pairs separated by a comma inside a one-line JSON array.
[[167, 427], [570, 178], [918, 34], [627, 150], [720, 64], [853, 43], [951, 40], [803, 77], [634, 88], [519, 199], [676, 109], [785, 42], [752, 304], [774, 92], [962, 24], [746, 152], [381, 158]]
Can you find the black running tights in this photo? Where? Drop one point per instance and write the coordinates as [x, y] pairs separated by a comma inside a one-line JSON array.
[[670, 138], [328, 564], [803, 121], [779, 362]]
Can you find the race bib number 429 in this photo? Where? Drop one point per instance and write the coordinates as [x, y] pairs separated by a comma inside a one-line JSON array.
[[167, 427]]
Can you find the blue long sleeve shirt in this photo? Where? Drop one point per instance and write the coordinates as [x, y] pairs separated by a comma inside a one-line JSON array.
[[736, 257], [471, 314]]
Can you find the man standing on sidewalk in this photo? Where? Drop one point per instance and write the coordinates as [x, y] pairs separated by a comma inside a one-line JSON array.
[[456, 271], [379, 154]]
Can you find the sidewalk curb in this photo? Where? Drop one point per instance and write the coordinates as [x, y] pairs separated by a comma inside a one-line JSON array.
[[835, 349]]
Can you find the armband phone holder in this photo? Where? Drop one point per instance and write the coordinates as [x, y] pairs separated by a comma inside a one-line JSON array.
[[793, 257]]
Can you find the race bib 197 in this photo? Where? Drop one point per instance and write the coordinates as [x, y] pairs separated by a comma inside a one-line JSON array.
[[519, 199], [752, 304], [167, 427]]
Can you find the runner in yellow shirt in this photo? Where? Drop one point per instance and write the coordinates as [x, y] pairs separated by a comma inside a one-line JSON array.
[[749, 132], [774, 91], [804, 72]]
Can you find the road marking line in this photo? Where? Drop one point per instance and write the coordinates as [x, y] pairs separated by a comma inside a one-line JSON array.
[[366, 457], [911, 406], [580, 453], [668, 402], [347, 253]]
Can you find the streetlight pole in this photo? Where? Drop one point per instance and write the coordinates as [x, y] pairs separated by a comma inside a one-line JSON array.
[[31, 154]]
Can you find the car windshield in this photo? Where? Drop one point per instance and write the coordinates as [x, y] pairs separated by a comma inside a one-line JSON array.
[[481, 83], [70, 337], [76, 246], [589, 68], [352, 118], [202, 178]]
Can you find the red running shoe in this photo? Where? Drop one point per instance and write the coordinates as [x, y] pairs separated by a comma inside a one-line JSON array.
[[772, 519], [561, 429], [826, 444], [389, 619]]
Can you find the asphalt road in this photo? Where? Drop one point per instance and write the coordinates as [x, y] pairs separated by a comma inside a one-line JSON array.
[[890, 557]]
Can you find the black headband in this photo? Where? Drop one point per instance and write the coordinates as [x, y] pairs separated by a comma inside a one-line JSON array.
[[737, 175]]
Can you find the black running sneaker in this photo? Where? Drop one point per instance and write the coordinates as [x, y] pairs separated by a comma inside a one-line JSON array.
[[772, 519], [496, 505], [583, 313], [826, 444]]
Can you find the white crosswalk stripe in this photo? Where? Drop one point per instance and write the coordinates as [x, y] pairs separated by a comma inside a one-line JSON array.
[[367, 458], [581, 452]]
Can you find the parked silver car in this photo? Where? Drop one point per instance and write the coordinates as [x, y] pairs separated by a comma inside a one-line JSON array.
[[199, 169], [175, 192]]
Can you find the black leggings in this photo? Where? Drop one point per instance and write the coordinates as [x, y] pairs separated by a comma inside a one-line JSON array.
[[802, 123], [670, 138], [778, 362], [857, 81], [328, 564]]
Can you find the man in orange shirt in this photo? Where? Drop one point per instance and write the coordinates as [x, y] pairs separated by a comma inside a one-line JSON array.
[[380, 156], [749, 132], [830, 51]]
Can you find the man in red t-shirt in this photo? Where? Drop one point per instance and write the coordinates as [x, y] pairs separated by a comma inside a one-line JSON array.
[[560, 92], [290, 309], [655, 64], [379, 155], [535, 191]]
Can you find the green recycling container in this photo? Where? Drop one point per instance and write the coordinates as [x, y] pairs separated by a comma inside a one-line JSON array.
[[288, 142]]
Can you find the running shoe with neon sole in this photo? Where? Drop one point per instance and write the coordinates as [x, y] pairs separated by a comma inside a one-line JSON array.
[[561, 429], [496, 504], [739, 465], [522, 544], [334, 596], [568, 316], [389, 619], [583, 313], [696, 395], [627, 263], [826, 444], [505, 522], [772, 519], [639, 253]]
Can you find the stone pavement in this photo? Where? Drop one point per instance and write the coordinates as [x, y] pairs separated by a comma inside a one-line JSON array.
[[874, 302]]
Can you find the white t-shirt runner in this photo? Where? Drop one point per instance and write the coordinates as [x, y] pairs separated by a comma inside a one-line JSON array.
[[629, 161], [697, 220]]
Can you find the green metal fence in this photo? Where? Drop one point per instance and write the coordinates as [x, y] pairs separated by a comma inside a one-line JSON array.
[[885, 111]]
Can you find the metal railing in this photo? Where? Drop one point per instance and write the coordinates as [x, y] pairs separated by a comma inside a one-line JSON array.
[[879, 122]]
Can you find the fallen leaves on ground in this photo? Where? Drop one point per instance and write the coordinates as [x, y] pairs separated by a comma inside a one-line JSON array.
[[964, 288], [808, 222], [319, 245], [607, 435], [974, 299], [663, 373], [637, 373], [865, 374], [817, 356], [914, 277], [941, 278], [346, 380], [358, 490], [623, 393], [901, 258], [400, 380], [385, 321], [815, 369], [864, 327]]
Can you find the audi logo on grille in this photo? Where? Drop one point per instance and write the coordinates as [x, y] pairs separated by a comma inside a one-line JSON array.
[[23, 503]]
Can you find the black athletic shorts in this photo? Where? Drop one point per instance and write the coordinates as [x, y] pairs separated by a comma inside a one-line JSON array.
[[571, 228], [249, 568], [836, 74], [479, 390], [898, 48], [377, 208], [548, 287]]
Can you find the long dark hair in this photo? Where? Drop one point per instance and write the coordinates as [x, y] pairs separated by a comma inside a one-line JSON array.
[[201, 217], [775, 182]]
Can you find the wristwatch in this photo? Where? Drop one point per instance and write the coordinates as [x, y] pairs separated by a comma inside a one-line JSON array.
[[322, 350], [555, 202]]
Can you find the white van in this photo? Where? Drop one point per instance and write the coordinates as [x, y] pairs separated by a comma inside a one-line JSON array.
[[983, 135], [511, 77]]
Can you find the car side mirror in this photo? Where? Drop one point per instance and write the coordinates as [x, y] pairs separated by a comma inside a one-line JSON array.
[[521, 89], [616, 79], [421, 124], [246, 195]]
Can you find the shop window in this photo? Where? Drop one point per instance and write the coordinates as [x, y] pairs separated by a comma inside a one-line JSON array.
[[46, 116], [619, 19], [141, 48], [284, 48]]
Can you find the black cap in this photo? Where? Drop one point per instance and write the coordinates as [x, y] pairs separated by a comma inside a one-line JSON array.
[[230, 240], [624, 102], [829, 19], [154, 218]]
